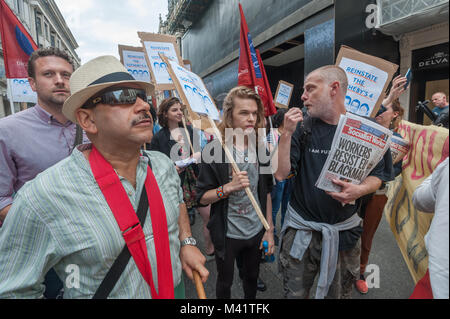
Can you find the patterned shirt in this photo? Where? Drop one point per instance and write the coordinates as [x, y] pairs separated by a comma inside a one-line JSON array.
[[61, 220]]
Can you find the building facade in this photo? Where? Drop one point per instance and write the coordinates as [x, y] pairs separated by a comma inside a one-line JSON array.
[[46, 25], [422, 29], [295, 37]]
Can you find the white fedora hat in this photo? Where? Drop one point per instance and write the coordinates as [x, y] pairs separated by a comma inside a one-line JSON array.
[[94, 76]]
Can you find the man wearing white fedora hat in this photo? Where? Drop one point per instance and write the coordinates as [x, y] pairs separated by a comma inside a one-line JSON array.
[[110, 218]]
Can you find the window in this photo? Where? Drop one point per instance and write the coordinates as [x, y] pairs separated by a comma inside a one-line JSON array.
[[38, 25], [52, 39], [26, 14], [46, 31], [18, 4]]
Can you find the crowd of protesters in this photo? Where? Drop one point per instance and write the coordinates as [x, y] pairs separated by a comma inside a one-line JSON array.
[[93, 177]]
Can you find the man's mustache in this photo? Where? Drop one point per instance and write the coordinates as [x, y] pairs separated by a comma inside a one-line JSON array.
[[144, 116]]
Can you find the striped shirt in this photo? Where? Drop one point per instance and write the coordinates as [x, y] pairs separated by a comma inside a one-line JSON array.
[[61, 220]]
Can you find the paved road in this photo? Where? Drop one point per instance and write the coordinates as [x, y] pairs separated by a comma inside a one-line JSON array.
[[395, 279]]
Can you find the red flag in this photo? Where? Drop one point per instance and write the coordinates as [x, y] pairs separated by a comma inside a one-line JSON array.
[[265, 92], [250, 72], [17, 43], [246, 76]]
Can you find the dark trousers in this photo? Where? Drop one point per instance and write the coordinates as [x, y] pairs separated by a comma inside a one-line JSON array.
[[250, 256]]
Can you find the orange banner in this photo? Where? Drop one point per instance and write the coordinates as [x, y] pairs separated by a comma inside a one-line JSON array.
[[428, 148]]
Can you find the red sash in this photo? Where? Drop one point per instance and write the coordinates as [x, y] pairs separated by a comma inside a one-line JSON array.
[[131, 229], [423, 288]]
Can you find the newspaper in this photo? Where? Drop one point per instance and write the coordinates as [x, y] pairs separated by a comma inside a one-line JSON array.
[[358, 145], [186, 162], [399, 148]]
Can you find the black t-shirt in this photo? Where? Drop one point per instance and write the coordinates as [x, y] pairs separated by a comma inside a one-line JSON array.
[[312, 203]]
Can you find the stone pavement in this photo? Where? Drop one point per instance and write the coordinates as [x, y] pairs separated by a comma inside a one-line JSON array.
[[395, 280]]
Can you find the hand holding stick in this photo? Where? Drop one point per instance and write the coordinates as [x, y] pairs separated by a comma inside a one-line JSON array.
[[199, 285]]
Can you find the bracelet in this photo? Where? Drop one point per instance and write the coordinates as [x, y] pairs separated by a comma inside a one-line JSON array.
[[220, 193]]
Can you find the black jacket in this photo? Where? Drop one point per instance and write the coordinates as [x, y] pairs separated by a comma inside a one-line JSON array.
[[163, 143], [213, 175]]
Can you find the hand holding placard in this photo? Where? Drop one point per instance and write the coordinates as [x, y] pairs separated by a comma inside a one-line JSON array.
[[283, 94]]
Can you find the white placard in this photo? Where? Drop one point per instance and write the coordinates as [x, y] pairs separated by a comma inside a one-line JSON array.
[[136, 65], [195, 91], [283, 94], [21, 91], [158, 66], [365, 85]]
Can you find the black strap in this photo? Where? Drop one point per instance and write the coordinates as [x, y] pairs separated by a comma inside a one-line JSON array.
[[78, 137], [122, 260]]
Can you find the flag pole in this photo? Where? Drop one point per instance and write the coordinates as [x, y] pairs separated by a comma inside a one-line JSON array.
[[10, 95]]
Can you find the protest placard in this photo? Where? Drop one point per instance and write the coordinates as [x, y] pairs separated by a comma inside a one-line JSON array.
[[283, 94], [133, 58], [154, 44], [194, 90], [187, 65], [368, 78], [21, 91], [206, 110], [358, 145], [399, 148]]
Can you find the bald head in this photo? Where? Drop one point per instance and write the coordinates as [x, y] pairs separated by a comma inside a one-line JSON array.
[[332, 73], [324, 92], [439, 99]]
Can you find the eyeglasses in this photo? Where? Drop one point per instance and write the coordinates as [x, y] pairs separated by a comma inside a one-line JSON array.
[[116, 96], [381, 110]]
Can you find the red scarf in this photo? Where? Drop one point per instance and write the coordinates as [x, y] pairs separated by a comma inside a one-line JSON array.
[[131, 229]]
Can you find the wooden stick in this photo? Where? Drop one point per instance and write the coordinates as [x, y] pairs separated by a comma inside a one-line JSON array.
[[199, 285], [187, 134]]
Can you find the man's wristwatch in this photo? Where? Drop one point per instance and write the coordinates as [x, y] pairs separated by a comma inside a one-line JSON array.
[[189, 241]]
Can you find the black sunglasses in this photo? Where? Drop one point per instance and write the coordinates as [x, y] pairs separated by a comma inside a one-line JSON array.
[[381, 110], [116, 96]]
